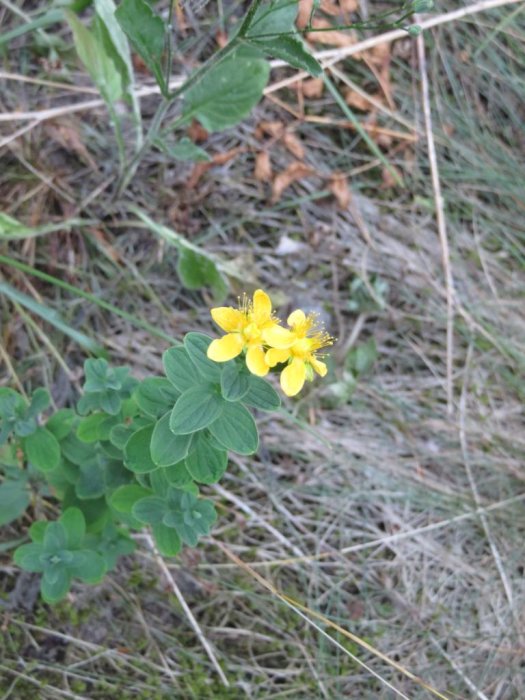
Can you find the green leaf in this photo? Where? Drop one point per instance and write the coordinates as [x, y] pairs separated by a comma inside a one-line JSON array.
[[76, 451], [261, 395], [146, 32], [55, 586], [99, 65], [167, 541], [196, 409], [166, 447], [177, 474], [38, 530], [159, 482], [42, 449], [268, 32], [105, 9], [14, 499], [125, 497], [89, 428], [235, 381], [184, 150], [196, 345], [196, 271], [189, 515], [55, 538], [40, 400], [205, 463], [227, 92], [88, 566], [179, 369], [75, 526], [30, 557], [91, 481], [120, 434], [61, 423], [155, 396], [149, 510], [236, 429], [137, 451]]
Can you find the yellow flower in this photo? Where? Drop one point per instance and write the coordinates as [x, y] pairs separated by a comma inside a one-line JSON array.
[[244, 328], [298, 347]]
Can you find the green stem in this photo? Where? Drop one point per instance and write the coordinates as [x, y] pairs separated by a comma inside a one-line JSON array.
[[366, 138]]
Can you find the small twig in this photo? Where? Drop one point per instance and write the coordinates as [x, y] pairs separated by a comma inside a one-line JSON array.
[[441, 223], [193, 622]]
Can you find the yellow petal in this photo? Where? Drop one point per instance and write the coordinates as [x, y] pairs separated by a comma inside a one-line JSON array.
[[296, 318], [319, 366], [255, 361], [293, 376], [226, 348], [278, 337], [274, 356], [228, 318], [262, 307]]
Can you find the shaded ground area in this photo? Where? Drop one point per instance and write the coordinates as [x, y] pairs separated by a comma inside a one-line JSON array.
[[372, 502]]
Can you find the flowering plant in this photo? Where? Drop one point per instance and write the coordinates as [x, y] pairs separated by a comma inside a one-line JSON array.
[[137, 453]]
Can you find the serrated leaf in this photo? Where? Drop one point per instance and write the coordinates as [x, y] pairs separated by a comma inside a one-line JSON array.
[[227, 92], [205, 463], [179, 369], [261, 395], [42, 449], [146, 32], [235, 381], [166, 447], [155, 396], [137, 451], [196, 271], [196, 409], [125, 497], [196, 345], [236, 429]]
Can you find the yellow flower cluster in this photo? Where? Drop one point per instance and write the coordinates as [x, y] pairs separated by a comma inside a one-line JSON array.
[[254, 330]]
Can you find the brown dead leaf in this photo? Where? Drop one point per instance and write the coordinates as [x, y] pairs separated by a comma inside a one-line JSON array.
[[218, 159], [357, 101], [293, 144], [196, 132], [303, 13], [295, 171], [349, 5], [222, 39], [388, 178], [332, 38], [106, 246], [312, 88], [269, 128], [66, 134], [339, 188], [182, 24], [263, 167]]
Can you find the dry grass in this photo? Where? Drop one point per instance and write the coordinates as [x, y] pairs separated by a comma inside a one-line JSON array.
[[395, 519]]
